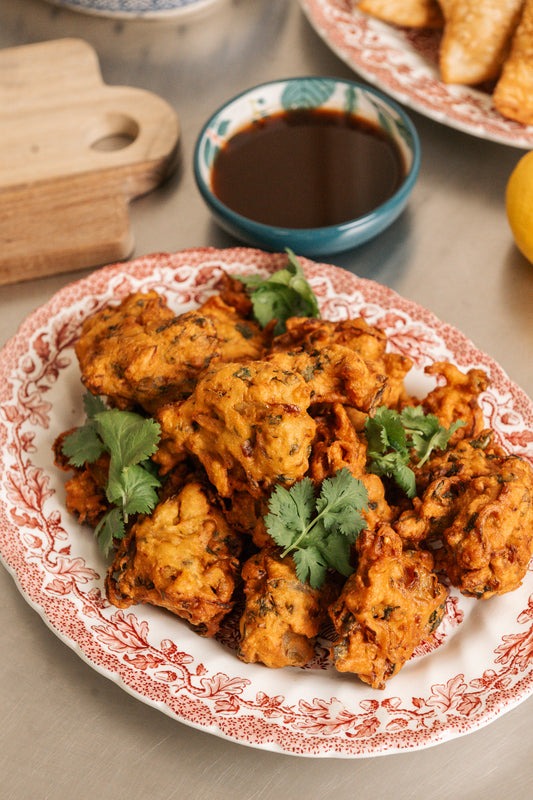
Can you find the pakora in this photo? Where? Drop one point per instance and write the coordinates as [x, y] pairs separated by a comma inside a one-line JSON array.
[[457, 398], [391, 603], [141, 354], [369, 342], [476, 504], [282, 615], [337, 445], [183, 557], [249, 424], [246, 423]]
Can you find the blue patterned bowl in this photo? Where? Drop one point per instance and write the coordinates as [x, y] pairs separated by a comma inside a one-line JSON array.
[[147, 9], [298, 93]]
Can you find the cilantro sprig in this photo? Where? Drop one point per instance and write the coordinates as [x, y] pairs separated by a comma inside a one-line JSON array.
[[318, 531], [130, 439], [396, 438], [284, 294]]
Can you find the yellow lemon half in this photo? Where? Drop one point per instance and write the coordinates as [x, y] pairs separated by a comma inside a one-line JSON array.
[[519, 204]]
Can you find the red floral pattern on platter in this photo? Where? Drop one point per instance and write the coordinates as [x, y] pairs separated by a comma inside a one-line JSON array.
[[403, 63], [476, 667]]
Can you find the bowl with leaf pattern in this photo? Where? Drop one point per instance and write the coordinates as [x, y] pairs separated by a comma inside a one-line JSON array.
[[137, 9], [316, 164]]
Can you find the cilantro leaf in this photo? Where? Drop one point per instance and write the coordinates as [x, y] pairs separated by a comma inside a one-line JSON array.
[[129, 439], [93, 405], [427, 434], [284, 294], [290, 511], [135, 490], [394, 438], [318, 532], [385, 430], [405, 479], [83, 445], [110, 527], [336, 553], [340, 501], [310, 566]]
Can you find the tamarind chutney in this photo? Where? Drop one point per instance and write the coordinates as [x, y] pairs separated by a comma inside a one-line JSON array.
[[307, 168]]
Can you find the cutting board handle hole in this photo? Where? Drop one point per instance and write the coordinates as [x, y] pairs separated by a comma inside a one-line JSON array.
[[113, 132]]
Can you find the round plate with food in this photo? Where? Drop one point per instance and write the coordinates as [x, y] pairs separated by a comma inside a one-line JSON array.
[[403, 62], [475, 666]]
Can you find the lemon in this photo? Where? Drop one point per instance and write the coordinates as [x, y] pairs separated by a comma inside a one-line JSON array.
[[519, 204]]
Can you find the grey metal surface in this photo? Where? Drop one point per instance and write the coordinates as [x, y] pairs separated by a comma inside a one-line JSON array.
[[68, 732]]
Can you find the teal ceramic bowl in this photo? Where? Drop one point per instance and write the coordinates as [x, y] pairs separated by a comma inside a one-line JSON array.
[[325, 94]]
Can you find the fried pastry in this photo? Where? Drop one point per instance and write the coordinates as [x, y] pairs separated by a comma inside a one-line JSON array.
[[249, 424], [388, 606], [368, 341], [184, 557], [457, 398], [409, 13], [246, 423], [476, 504], [513, 95], [140, 353], [282, 615], [477, 37]]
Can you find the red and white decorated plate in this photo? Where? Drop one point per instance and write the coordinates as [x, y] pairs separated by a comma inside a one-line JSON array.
[[403, 62], [480, 662]]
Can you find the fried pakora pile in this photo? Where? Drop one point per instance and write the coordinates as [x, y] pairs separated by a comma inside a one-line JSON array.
[[243, 412]]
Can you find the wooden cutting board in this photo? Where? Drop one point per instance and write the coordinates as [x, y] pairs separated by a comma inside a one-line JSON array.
[[73, 153]]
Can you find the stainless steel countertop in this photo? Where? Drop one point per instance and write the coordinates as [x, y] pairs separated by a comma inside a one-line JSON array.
[[68, 732]]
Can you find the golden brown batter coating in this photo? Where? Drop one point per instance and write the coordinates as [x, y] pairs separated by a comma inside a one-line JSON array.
[[335, 374], [477, 503], [513, 95], [184, 557], [368, 341], [234, 293], [488, 546], [282, 616], [457, 398], [477, 36], [246, 423], [246, 515], [409, 13], [140, 353], [239, 338], [387, 607], [441, 481], [466, 459]]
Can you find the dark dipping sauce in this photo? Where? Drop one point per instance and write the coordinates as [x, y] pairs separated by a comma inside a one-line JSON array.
[[307, 168]]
